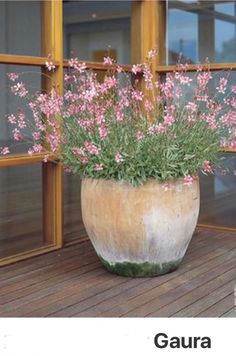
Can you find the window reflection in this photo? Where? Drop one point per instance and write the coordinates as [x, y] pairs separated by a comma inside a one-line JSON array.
[[73, 224], [11, 104], [200, 30], [218, 196], [21, 209], [20, 20], [93, 27]]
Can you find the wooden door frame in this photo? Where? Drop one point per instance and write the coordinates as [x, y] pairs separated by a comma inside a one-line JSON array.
[[52, 177]]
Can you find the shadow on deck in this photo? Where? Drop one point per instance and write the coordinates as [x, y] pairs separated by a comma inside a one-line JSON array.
[[72, 282]]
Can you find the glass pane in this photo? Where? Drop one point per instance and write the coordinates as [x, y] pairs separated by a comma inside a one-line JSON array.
[[73, 225], [94, 28], [218, 197], [201, 29], [188, 91], [20, 209], [11, 104], [20, 27]]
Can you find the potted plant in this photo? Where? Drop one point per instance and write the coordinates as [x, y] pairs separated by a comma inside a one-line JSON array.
[[138, 153]]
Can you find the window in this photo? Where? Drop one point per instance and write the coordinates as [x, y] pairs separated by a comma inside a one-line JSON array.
[[200, 30], [21, 209], [20, 20], [31, 191], [95, 28], [197, 30]]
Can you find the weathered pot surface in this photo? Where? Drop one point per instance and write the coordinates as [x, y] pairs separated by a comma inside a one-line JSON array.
[[140, 231]]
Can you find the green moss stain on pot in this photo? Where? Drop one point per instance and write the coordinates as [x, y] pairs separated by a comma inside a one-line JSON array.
[[144, 269]]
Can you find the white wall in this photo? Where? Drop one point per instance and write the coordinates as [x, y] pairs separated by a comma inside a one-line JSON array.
[[84, 44]]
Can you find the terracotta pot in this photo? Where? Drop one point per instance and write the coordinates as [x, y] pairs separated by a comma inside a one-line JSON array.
[[140, 231]]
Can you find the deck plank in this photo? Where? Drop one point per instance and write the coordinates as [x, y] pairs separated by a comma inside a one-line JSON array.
[[72, 282], [230, 313], [220, 308]]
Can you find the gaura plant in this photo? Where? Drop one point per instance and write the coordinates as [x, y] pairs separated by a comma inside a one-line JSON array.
[[121, 130]]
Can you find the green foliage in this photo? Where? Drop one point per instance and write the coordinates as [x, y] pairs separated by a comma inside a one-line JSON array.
[[181, 150]]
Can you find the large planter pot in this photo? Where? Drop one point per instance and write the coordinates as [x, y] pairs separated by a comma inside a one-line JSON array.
[[140, 231]]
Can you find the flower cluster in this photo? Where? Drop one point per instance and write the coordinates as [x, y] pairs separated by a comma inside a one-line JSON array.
[[115, 130]]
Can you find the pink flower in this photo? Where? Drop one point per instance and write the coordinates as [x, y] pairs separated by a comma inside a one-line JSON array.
[[17, 135], [12, 119], [98, 167], [207, 167], [84, 159], [107, 61], [222, 85], [166, 186], [119, 158], [21, 121], [103, 132], [91, 148], [152, 53], [167, 87], [119, 69], [140, 135], [75, 63], [45, 158], [4, 150], [49, 65], [203, 78], [233, 144], [211, 120], [185, 80], [191, 118], [148, 105], [36, 135], [68, 79], [156, 129], [137, 95], [229, 118], [136, 68], [110, 82], [188, 180], [37, 148], [233, 102], [13, 76], [67, 169], [148, 77], [78, 151], [119, 116], [203, 98], [233, 88], [169, 119], [19, 89], [191, 107], [54, 141]]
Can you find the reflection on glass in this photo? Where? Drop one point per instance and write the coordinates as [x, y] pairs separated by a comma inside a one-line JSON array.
[[188, 92], [200, 30], [95, 28], [20, 27], [218, 197], [20, 209], [73, 225], [11, 104]]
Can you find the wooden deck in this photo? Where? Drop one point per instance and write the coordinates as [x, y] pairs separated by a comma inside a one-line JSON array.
[[73, 283]]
